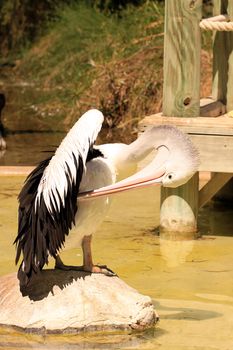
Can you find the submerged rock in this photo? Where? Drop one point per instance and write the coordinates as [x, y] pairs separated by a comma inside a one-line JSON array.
[[71, 302]]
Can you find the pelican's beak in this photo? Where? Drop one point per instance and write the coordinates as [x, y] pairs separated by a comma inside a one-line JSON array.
[[152, 174]]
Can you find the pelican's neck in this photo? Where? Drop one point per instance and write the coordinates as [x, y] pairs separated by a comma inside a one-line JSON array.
[[118, 154], [145, 144], [126, 157]]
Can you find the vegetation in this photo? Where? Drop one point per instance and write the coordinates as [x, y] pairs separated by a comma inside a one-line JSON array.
[[105, 54], [90, 59], [23, 21]]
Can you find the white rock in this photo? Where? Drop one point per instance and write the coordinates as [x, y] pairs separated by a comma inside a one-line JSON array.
[[72, 302]]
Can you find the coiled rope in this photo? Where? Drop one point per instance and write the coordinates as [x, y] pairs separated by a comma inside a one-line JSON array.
[[220, 23]]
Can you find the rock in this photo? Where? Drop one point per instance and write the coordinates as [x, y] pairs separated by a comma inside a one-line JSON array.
[[71, 302]]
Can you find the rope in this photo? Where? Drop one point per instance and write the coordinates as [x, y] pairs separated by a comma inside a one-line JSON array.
[[220, 23]]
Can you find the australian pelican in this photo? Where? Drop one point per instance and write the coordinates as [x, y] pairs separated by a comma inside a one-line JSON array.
[[64, 200]]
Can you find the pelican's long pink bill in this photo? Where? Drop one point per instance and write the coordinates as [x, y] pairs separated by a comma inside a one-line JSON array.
[[152, 174], [143, 178]]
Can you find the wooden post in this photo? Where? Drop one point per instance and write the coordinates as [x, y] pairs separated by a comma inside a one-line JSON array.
[[179, 209], [223, 58], [182, 48], [181, 98], [223, 74]]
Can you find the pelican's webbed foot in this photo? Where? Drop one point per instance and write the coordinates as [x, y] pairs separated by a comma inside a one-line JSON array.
[[61, 266], [86, 268], [88, 265], [103, 269]]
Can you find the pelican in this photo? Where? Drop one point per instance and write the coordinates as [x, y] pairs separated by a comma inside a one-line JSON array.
[[2, 141], [65, 198]]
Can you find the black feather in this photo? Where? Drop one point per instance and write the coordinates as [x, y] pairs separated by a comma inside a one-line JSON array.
[[42, 233], [93, 153]]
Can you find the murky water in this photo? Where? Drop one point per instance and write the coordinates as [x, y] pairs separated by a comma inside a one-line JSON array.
[[25, 148], [29, 148], [190, 282]]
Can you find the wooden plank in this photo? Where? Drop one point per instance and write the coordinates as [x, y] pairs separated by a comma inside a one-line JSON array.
[[204, 177], [211, 108], [216, 152], [223, 58], [217, 181], [182, 45], [226, 193], [222, 125], [179, 209]]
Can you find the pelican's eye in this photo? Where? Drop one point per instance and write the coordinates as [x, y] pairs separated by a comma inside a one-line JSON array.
[[169, 179], [170, 176]]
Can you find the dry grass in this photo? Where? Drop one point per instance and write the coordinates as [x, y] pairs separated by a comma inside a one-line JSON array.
[[127, 89]]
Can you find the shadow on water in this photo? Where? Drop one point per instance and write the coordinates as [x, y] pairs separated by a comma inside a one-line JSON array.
[[216, 219], [186, 313]]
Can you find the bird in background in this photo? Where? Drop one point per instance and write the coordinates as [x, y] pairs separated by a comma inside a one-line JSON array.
[[66, 197], [2, 132]]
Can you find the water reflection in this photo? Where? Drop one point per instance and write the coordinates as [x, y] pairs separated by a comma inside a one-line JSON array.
[[175, 252], [11, 339], [29, 148]]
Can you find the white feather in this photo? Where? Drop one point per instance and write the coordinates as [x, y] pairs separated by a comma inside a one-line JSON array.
[[77, 142]]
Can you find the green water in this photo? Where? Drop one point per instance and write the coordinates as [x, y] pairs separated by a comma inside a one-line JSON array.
[[190, 282]]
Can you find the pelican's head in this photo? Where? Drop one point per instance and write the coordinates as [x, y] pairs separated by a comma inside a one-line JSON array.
[[175, 162], [176, 155], [178, 174]]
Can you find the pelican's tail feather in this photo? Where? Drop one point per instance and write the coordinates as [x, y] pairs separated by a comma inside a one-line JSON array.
[[27, 237]]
